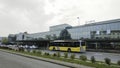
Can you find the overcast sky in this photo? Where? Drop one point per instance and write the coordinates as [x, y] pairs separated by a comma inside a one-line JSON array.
[[37, 15]]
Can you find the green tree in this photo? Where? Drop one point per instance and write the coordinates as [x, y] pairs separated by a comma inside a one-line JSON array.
[[4, 40], [107, 61], [54, 37], [58, 54], [48, 37], [118, 62], [64, 35], [72, 56], [40, 38], [54, 54], [83, 57], [65, 55], [93, 59]]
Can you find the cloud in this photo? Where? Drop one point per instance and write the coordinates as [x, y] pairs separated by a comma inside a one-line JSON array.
[[37, 15], [23, 15], [67, 11]]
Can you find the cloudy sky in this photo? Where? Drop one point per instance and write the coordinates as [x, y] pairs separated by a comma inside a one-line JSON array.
[[37, 15]]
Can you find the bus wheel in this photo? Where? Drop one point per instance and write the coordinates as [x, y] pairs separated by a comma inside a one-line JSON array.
[[69, 50], [53, 49]]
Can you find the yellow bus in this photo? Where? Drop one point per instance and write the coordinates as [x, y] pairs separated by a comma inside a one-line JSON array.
[[68, 45]]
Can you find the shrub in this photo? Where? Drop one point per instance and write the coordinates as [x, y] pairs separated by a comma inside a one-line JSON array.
[[72, 56], [58, 54], [54, 54], [28, 51], [118, 62], [21, 49], [107, 61], [93, 59], [39, 52], [65, 55], [47, 54], [83, 57], [34, 51]]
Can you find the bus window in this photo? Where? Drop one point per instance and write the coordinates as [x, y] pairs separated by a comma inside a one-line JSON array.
[[83, 43], [52, 44], [68, 44], [55, 44], [62, 44], [73, 44], [76, 44], [65, 44], [58, 44]]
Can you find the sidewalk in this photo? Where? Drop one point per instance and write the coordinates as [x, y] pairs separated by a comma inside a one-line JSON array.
[[71, 65]]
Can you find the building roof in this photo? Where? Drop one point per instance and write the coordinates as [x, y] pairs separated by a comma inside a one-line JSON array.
[[105, 22], [100, 23], [60, 25]]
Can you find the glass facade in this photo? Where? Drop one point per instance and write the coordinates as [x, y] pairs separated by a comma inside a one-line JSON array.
[[104, 29]]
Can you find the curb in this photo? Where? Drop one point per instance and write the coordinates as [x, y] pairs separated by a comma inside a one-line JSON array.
[[71, 65]]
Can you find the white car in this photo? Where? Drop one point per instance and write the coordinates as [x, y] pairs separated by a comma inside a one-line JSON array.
[[33, 47]]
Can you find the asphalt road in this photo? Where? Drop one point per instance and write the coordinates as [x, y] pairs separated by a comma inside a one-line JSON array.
[[98, 55], [14, 61]]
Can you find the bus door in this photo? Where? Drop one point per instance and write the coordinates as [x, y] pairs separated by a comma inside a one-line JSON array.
[[58, 46], [82, 44]]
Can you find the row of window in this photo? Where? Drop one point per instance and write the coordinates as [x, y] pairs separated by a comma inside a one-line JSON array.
[[67, 44]]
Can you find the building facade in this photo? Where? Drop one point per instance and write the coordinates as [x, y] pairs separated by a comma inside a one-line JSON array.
[[104, 29], [99, 30]]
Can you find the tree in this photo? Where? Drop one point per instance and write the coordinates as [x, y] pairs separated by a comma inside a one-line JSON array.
[[72, 56], [65, 55], [40, 38], [83, 57], [48, 37], [4, 41], [107, 61], [12, 38], [118, 62], [64, 35], [93, 59], [58, 54], [54, 37]]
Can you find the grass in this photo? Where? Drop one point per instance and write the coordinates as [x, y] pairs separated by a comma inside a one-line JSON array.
[[97, 64]]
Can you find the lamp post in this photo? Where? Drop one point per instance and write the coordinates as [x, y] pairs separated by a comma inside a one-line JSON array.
[[78, 20]]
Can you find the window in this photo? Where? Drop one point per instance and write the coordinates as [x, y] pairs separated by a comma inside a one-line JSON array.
[[22, 37], [76, 44], [83, 43]]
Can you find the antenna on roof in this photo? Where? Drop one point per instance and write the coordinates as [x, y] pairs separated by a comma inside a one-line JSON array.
[[78, 20]]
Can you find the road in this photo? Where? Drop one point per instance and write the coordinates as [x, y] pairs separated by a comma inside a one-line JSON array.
[[98, 55], [8, 60]]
